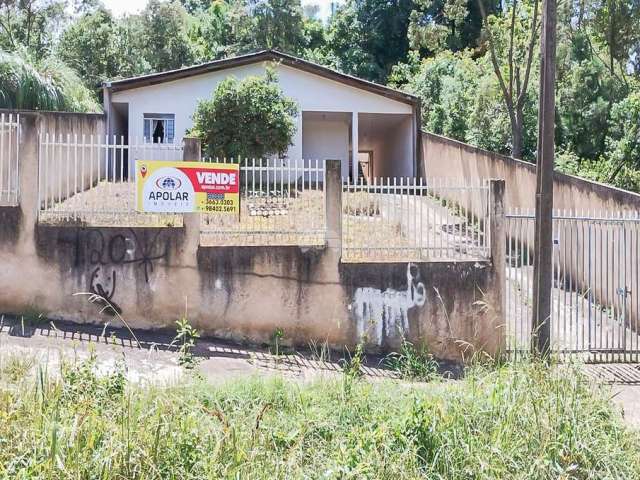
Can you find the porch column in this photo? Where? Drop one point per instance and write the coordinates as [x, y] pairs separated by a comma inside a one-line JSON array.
[[354, 146]]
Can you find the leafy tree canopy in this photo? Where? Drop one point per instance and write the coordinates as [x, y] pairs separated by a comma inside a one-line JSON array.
[[246, 119]]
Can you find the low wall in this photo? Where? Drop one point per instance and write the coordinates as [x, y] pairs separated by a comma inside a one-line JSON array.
[[444, 157], [64, 127], [154, 276]]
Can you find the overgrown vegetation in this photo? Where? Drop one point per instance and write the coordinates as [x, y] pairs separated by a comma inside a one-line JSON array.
[[412, 363], [43, 85], [522, 421]]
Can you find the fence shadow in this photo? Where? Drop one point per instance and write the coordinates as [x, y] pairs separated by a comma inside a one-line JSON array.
[[288, 360]]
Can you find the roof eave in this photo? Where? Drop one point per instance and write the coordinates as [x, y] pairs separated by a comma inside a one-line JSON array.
[[261, 56]]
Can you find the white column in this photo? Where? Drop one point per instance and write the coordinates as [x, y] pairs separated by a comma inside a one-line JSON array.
[[354, 146], [106, 106]]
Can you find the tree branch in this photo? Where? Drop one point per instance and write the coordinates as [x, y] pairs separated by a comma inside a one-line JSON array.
[[494, 61], [532, 43], [511, 35]]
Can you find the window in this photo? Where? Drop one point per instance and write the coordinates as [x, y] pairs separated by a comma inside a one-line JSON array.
[[159, 127]]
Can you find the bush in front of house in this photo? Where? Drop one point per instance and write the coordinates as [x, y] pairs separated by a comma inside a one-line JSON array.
[[249, 118]]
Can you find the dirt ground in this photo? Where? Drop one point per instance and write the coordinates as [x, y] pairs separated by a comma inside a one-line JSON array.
[[155, 359]]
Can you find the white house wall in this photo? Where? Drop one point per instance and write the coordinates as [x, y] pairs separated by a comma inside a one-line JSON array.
[[326, 139], [312, 93]]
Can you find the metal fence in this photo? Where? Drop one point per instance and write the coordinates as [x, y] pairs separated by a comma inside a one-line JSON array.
[[9, 155], [281, 203], [596, 290], [90, 179], [408, 219]]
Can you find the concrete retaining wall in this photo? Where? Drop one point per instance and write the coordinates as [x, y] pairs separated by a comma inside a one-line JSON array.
[[155, 276], [72, 128], [447, 158]]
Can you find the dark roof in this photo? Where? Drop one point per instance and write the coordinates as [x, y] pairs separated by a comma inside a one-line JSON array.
[[261, 56]]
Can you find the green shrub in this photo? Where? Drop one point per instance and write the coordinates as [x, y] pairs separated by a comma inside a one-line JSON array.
[[250, 118]]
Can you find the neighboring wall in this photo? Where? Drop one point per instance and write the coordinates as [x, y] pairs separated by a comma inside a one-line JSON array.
[[72, 127], [575, 247], [444, 157], [155, 276]]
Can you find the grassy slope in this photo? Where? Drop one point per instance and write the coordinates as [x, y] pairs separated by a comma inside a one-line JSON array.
[[514, 422]]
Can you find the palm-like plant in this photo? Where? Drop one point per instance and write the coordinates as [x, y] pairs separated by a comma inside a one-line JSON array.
[[45, 85]]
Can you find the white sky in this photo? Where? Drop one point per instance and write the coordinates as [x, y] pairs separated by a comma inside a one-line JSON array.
[[119, 7]]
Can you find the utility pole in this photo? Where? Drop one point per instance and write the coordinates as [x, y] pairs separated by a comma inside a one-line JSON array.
[[543, 246]]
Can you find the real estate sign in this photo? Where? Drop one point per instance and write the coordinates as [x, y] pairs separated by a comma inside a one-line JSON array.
[[180, 187]]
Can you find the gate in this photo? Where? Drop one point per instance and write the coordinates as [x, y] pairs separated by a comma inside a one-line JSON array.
[[596, 291], [9, 156]]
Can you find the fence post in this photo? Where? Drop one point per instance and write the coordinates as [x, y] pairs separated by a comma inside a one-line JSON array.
[[191, 149], [191, 152], [333, 204], [497, 234]]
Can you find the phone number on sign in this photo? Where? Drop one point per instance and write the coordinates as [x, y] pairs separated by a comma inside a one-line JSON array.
[[219, 206]]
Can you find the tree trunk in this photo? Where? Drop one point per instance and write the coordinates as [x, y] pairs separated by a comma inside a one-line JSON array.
[[517, 134]]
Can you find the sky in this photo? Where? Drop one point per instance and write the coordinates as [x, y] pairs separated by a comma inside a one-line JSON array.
[[119, 7]]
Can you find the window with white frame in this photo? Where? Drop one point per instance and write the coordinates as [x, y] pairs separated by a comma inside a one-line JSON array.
[[159, 127]]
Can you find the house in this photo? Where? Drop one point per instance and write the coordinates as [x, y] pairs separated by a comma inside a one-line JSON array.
[[341, 117]]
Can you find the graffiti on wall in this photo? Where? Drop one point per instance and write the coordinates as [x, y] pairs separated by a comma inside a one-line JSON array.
[[380, 314], [105, 253]]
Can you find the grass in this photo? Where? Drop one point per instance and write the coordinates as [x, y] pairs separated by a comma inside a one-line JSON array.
[[521, 422]]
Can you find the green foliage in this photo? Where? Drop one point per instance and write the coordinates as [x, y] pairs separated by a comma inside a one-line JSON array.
[[186, 337], [31, 25], [436, 25], [101, 48], [81, 382], [368, 37], [412, 363], [517, 422], [165, 36], [44, 85], [276, 341], [211, 31], [246, 119], [623, 139]]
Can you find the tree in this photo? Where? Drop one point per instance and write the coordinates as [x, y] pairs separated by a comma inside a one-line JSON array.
[[511, 41], [368, 37], [165, 38], [623, 141], [436, 25], [31, 24], [616, 26], [211, 32], [88, 47], [279, 25], [257, 25], [246, 119]]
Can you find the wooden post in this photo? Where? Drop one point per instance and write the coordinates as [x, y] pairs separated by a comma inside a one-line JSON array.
[[191, 149], [543, 246]]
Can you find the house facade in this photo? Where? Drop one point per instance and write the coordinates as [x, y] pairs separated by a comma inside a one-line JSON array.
[[372, 129]]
